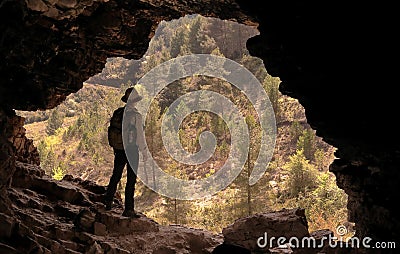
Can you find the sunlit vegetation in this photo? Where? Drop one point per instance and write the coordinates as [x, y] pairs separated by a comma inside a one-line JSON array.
[[297, 176]]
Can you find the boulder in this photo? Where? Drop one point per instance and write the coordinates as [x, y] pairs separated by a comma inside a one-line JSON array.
[[260, 232]]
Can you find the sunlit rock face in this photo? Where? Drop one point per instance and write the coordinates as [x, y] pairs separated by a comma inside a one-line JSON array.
[[334, 59]]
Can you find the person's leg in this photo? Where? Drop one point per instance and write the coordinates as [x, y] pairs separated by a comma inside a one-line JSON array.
[[119, 164], [131, 178]]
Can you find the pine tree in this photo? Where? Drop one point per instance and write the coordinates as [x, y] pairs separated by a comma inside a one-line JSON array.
[[296, 129], [327, 204], [194, 41], [179, 39], [302, 175], [245, 194], [319, 159], [271, 86], [47, 157], [175, 89], [307, 143], [153, 128], [175, 210], [54, 122], [256, 66]]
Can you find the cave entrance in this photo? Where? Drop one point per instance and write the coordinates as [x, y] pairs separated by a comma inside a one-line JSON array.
[[72, 138]]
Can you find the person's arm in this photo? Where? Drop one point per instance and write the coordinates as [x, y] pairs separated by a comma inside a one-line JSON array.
[[140, 138]]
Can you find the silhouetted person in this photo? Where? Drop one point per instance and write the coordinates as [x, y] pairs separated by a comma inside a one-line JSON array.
[[135, 138]]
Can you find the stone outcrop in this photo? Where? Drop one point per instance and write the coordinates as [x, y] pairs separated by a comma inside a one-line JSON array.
[[246, 231], [7, 151], [274, 232], [67, 217], [284, 231], [25, 151], [14, 145]]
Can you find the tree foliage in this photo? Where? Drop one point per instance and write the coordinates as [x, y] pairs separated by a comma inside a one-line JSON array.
[[54, 122], [302, 175], [295, 176]]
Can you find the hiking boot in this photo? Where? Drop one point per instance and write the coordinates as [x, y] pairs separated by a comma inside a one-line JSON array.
[[108, 204], [130, 214]]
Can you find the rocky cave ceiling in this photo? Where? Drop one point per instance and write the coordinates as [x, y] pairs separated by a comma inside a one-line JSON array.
[[333, 57]]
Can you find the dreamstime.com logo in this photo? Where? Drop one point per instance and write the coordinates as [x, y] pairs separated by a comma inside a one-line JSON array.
[[217, 67], [330, 240]]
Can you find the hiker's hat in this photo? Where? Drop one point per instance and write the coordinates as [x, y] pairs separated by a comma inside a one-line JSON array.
[[135, 95]]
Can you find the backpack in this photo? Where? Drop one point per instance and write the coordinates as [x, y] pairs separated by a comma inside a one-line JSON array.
[[115, 130]]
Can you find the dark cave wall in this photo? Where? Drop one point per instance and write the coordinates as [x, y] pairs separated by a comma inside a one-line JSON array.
[[332, 57], [51, 47], [48, 56], [7, 151], [14, 146]]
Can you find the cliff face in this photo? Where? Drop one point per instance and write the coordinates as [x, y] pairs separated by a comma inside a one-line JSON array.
[[334, 59]]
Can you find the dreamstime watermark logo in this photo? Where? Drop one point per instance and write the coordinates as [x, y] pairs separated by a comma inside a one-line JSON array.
[[330, 240], [204, 100], [341, 230]]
